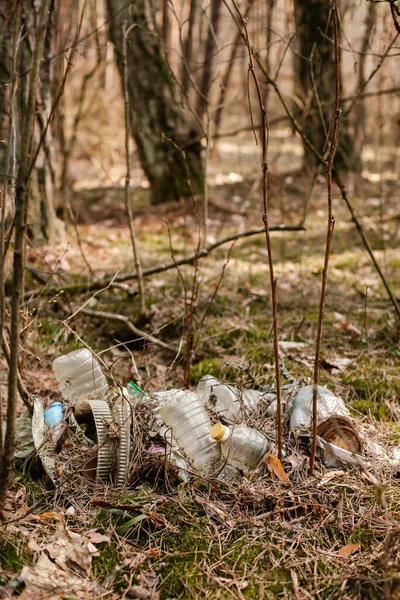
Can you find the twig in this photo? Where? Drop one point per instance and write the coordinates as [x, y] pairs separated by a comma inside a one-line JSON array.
[[10, 139], [329, 235], [128, 203], [142, 335], [22, 390], [274, 291]]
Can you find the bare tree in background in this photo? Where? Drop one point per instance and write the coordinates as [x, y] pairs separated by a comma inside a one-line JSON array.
[[360, 112], [156, 112], [43, 225], [210, 49], [314, 66]]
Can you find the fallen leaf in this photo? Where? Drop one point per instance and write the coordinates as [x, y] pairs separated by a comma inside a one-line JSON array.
[[329, 476], [46, 580], [49, 515], [275, 466], [98, 538], [349, 549], [287, 346]]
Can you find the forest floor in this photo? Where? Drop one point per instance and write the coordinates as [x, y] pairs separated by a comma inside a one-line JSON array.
[[331, 535]]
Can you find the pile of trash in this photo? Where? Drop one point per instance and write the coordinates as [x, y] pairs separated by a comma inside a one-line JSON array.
[[203, 433]]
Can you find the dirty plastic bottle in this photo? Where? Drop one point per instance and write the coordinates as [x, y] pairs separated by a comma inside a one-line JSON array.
[[328, 405], [242, 446], [185, 414], [228, 399], [79, 376]]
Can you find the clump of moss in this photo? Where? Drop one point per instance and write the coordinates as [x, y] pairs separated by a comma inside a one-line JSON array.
[[13, 556]]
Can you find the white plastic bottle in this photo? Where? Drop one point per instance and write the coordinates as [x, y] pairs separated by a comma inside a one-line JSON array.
[[242, 446], [185, 414], [80, 376]]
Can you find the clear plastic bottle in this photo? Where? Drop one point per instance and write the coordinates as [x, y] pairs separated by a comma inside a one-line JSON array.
[[79, 376], [185, 414], [242, 446], [228, 399], [328, 405]]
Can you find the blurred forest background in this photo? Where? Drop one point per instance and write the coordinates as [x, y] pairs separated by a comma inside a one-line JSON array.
[[131, 210]]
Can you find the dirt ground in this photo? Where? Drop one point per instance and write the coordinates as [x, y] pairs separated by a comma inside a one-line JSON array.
[[331, 535]]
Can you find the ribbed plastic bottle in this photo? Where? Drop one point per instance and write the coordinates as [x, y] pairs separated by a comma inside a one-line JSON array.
[[242, 446], [79, 376], [185, 414]]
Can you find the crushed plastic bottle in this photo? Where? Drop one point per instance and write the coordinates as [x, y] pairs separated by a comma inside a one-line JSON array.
[[184, 413], [80, 376], [328, 405], [228, 399], [242, 446]]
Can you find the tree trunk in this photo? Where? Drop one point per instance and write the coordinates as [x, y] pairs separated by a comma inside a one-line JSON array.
[[208, 56], [188, 48], [360, 114], [315, 82], [159, 123], [43, 226]]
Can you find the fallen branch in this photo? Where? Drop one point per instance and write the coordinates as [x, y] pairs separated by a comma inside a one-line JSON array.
[[142, 335], [77, 288]]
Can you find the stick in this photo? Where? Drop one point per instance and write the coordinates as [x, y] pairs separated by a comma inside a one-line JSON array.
[[101, 314], [329, 235], [273, 281], [128, 203]]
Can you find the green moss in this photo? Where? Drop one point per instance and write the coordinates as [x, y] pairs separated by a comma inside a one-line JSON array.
[[104, 565], [212, 366], [13, 555], [364, 536], [379, 411]]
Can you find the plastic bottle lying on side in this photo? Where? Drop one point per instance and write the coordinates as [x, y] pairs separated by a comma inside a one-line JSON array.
[[228, 399], [242, 446], [185, 414], [328, 405], [80, 376]]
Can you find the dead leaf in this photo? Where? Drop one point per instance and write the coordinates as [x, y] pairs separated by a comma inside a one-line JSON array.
[[287, 346], [336, 365], [349, 549], [49, 515], [275, 466], [134, 560], [47, 580], [98, 538], [329, 476]]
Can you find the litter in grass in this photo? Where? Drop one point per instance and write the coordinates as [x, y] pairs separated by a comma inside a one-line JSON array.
[[109, 436]]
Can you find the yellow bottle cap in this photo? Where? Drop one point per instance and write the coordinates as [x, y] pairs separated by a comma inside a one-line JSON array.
[[218, 431]]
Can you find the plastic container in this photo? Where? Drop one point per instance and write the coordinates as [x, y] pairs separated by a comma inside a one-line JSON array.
[[228, 399], [328, 405], [54, 414], [79, 376], [184, 413], [242, 446]]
